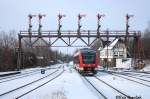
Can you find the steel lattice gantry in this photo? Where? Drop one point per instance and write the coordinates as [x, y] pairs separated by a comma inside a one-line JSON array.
[[65, 36], [73, 34], [69, 37]]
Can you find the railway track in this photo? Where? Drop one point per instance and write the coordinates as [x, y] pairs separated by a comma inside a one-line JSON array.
[[28, 84], [14, 77], [142, 72], [92, 85], [137, 74], [102, 94], [122, 94], [20, 96], [127, 78], [119, 91], [19, 76], [99, 92]]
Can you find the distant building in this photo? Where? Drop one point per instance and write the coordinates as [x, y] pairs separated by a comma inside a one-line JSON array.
[[113, 54]]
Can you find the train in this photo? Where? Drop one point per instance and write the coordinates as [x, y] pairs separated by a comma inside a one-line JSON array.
[[85, 61]]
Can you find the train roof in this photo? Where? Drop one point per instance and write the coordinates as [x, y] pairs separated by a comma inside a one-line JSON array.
[[84, 50], [87, 50]]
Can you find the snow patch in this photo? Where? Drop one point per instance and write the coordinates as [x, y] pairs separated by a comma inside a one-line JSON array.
[[58, 95], [146, 68]]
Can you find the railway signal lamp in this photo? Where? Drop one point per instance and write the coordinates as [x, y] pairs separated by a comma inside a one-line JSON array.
[[79, 20], [127, 20], [99, 16], [30, 16], [60, 16], [127, 28], [40, 16]]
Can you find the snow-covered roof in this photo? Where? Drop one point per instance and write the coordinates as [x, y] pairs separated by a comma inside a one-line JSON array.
[[76, 54], [112, 44]]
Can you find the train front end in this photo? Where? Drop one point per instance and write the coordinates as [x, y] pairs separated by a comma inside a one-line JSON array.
[[87, 61]]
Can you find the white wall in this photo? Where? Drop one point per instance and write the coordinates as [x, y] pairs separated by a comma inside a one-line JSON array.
[[125, 64], [103, 54]]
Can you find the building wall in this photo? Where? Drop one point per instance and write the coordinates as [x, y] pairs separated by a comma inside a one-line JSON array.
[[123, 63], [111, 62], [119, 51], [103, 54]]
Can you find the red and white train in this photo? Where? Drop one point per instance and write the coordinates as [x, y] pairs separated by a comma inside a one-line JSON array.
[[86, 61]]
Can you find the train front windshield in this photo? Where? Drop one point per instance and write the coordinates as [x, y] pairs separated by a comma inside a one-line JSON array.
[[88, 58]]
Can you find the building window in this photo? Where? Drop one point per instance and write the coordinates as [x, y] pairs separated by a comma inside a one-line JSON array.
[[121, 53], [115, 53]]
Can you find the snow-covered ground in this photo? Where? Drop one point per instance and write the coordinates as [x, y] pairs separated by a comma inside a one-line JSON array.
[[146, 68], [70, 85], [129, 87]]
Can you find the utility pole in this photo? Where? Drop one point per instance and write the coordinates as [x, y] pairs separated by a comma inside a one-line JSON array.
[[107, 47]]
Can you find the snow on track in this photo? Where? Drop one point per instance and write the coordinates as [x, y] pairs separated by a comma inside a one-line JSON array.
[[129, 87], [140, 75], [25, 73], [10, 78], [133, 79], [7, 86], [105, 89], [68, 86], [94, 88], [44, 82]]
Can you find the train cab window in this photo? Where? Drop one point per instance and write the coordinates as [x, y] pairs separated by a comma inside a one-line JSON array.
[[88, 58]]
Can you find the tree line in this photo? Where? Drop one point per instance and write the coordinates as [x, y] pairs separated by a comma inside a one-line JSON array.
[[31, 57], [146, 42]]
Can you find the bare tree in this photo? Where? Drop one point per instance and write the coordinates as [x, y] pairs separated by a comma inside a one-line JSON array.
[[7, 54], [146, 41]]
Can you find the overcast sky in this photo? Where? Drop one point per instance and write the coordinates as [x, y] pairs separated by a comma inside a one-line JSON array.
[[13, 13]]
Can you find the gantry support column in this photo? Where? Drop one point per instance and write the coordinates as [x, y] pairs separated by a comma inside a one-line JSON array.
[[19, 58]]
